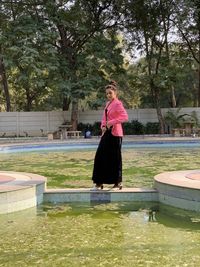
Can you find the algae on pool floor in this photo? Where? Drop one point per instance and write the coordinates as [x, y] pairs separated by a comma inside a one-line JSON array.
[[74, 168], [114, 234]]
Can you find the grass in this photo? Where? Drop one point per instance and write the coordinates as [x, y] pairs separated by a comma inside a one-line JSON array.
[[74, 169]]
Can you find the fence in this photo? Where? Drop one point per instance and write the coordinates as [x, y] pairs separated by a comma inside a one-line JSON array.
[[40, 123]]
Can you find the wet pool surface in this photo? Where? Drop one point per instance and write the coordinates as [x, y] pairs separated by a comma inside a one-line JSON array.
[[125, 234]]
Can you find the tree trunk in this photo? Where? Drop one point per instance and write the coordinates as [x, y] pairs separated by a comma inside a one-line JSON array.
[[5, 84], [199, 87], [161, 120], [199, 72], [156, 97], [173, 97], [28, 100], [74, 115], [66, 103]]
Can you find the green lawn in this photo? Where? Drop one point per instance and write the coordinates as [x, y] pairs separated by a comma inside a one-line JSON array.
[[74, 169]]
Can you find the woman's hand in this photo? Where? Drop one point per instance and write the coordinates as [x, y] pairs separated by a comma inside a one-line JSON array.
[[108, 126], [103, 130]]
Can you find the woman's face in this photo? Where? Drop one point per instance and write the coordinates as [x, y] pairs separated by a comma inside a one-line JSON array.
[[111, 94]]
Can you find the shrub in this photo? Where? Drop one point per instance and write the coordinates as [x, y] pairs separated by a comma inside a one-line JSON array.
[[133, 127], [130, 128], [96, 128], [152, 128], [138, 127]]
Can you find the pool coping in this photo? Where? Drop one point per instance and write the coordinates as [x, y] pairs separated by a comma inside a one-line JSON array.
[[179, 179]]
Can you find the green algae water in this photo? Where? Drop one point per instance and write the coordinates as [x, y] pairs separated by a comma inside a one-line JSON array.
[[112, 234]]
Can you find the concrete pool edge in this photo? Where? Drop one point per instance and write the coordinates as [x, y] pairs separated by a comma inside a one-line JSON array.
[[20, 191], [179, 189], [106, 195]]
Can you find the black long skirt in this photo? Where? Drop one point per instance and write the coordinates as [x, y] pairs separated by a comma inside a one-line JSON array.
[[108, 160]]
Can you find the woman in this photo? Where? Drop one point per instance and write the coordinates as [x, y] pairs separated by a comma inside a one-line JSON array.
[[108, 159]]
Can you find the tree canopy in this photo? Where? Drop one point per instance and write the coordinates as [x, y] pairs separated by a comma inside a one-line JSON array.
[[59, 54]]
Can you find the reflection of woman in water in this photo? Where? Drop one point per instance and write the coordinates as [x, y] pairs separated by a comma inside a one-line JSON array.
[[108, 159]]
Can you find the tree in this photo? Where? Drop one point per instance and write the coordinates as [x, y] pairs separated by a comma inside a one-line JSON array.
[[148, 23], [28, 54], [53, 52], [3, 22], [187, 21], [75, 32]]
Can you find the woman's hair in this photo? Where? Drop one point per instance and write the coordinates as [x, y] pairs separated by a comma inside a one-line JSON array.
[[112, 85]]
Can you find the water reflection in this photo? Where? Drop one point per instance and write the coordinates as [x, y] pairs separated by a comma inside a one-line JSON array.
[[112, 234], [153, 212], [178, 218]]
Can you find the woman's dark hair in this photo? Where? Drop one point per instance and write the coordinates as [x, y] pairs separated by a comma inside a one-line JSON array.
[[112, 85]]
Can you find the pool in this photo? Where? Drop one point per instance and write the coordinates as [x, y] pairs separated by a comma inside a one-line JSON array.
[[102, 234], [125, 234], [93, 145]]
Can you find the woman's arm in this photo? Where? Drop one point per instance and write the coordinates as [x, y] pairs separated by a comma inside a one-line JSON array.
[[103, 120], [121, 115]]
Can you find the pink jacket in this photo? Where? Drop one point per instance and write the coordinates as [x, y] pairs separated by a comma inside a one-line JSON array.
[[116, 116]]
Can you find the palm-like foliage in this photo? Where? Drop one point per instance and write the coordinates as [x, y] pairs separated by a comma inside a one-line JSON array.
[[174, 119]]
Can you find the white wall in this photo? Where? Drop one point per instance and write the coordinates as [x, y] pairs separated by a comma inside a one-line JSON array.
[[36, 123], [31, 123]]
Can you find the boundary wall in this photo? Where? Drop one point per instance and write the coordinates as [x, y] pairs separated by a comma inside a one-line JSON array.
[[40, 123]]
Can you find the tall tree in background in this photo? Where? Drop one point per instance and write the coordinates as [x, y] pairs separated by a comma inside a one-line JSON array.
[[4, 17], [187, 20], [28, 53], [148, 24]]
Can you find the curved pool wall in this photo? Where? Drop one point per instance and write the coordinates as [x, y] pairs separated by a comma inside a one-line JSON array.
[[19, 191], [180, 189]]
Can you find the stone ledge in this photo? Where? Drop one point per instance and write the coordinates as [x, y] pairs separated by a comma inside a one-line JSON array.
[[105, 195], [19, 191], [180, 178], [179, 189], [105, 190]]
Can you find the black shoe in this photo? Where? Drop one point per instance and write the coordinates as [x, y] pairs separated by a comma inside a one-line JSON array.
[[119, 186], [99, 186]]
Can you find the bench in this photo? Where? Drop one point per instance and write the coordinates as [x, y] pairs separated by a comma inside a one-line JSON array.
[[63, 134], [178, 132], [53, 135], [71, 134]]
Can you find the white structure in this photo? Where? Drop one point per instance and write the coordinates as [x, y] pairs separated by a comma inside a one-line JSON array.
[[40, 123]]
